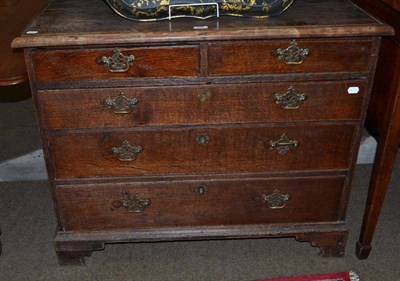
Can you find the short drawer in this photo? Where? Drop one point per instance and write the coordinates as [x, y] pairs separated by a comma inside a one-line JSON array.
[[248, 148], [128, 63], [200, 203], [227, 103], [284, 56]]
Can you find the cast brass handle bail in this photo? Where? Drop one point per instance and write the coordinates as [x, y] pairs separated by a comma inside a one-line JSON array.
[[276, 200], [132, 203], [127, 152], [121, 104], [118, 62], [290, 99], [283, 145], [292, 54]]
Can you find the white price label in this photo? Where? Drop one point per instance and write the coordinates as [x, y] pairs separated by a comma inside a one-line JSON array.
[[353, 90]]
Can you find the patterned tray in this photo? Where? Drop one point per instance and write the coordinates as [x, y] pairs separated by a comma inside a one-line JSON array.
[[151, 10]]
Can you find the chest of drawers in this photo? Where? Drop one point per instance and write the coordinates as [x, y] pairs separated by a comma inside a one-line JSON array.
[[164, 131]]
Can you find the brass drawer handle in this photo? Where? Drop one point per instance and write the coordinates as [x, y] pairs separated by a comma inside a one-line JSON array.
[[121, 104], [292, 54], [283, 145], [290, 99], [203, 96], [276, 200], [118, 62], [132, 203], [127, 152], [202, 139]]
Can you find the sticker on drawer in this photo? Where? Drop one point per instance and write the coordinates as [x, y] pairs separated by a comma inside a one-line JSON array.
[[353, 90]]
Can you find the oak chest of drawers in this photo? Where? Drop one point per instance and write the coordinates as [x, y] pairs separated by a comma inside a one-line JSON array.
[[200, 129]]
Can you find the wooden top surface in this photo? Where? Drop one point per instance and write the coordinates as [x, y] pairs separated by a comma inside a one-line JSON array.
[[92, 22]]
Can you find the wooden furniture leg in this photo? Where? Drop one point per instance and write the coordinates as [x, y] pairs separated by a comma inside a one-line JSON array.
[[385, 158], [331, 244], [384, 120], [74, 252]]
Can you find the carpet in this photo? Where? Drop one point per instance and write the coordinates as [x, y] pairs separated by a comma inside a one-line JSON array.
[[342, 276]]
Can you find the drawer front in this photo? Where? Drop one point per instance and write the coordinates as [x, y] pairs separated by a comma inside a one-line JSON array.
[[198, 203], [308, 56], [185, 150], [97, 64], [243, 103]]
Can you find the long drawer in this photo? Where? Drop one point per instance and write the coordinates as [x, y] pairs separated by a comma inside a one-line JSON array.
[[284, 56], [199, 150], [108, 63], [200, 203], [226, 103]]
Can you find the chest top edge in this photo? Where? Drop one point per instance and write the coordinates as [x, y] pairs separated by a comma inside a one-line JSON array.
[[76, 23]]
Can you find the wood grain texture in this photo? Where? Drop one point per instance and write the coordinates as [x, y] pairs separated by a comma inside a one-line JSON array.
[[257, 57], [81, 65], [75, 22], [385, 12], [385, 89], [221, 140], [176, 150], [218, 63], [331, 244], [182, 105], [225, 202], [73, 246]]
